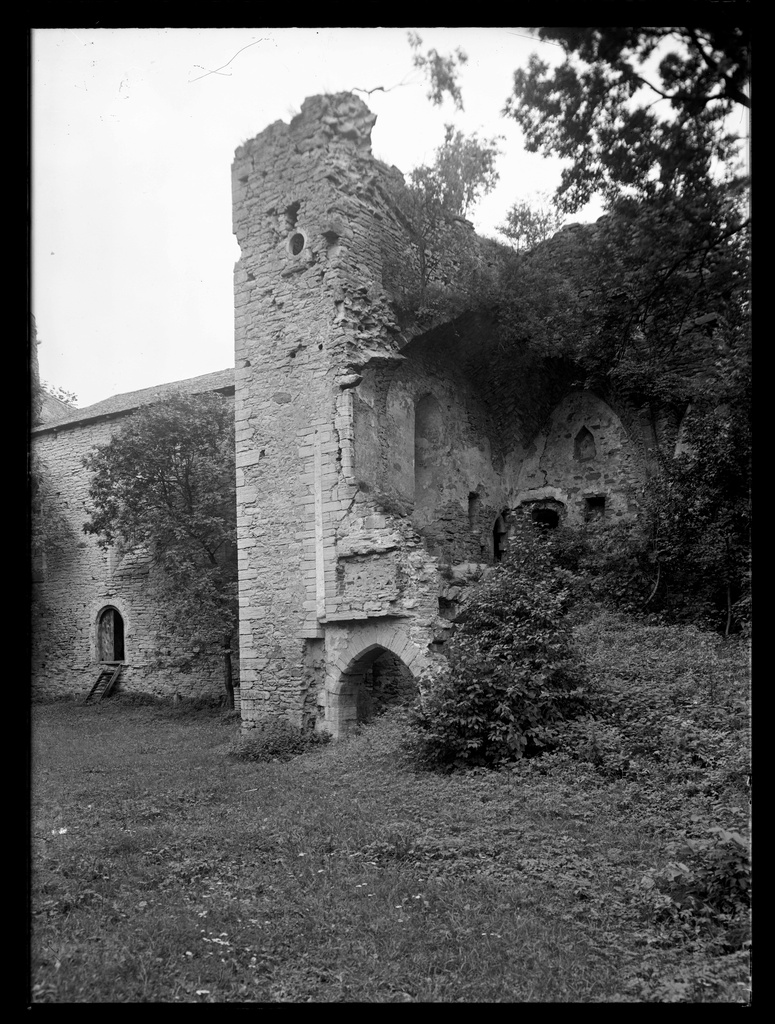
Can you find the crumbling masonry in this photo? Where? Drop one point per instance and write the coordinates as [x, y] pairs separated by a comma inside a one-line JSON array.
[[376, 468], [378, 463]]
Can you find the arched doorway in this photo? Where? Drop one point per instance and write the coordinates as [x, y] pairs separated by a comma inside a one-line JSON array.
[[374, 681], [110, 635]]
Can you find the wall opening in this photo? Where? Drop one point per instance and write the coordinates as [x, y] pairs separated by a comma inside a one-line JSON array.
[[547, 513], [373, 682], [500, 536], [110, 635], [474, 507], [291, 213], [548, 517], [594, 507], [296, 243], [584, 446]]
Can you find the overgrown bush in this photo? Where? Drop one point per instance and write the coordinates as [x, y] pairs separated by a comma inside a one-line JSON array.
[[705, 888], [616, 565], [710, 874], [511, 675], [666, 699], [275, 739]]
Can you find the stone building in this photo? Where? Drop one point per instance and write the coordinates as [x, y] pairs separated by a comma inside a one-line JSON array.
[[377, 466], [377, 463], [91, 606]]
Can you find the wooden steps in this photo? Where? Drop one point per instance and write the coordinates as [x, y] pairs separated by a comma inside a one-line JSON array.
[[106, 680]]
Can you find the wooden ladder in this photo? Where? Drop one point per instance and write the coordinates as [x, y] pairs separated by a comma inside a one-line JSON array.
[[106, 680]]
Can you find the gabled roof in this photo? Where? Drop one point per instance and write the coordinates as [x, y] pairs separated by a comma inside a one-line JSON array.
[[221, 380]]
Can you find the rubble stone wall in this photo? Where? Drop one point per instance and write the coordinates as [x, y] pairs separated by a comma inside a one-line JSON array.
[[377, 467], [377, 463]]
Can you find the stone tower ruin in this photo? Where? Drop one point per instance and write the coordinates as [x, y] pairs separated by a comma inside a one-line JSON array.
[[376, 467], [329, 582]]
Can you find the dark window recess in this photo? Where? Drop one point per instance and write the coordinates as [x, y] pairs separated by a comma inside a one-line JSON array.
[[548, 517], [500, 534], [584, 446], [474, 504], [594, 507], [296, 243], [291, 213]]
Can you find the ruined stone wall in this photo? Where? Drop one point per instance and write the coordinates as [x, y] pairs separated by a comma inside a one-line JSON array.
[[377, 467], [74, 580], [585, 460], [320, 560], [427, 446]]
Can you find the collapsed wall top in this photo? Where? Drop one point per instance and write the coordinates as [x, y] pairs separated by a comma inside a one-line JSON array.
[[323, 120]]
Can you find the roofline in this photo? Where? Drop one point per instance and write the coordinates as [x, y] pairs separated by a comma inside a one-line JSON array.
[[53, 428]]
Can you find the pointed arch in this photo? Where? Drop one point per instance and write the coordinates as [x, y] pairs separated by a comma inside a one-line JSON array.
[[378, 662], [584, 448]]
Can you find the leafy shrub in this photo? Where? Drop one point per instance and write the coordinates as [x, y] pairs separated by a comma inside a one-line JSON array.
[[512, 675], [709, 879], [275, 739], [610, 563], [672, 699]]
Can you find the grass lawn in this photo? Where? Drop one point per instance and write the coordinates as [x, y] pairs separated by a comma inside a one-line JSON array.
[[166, 870]]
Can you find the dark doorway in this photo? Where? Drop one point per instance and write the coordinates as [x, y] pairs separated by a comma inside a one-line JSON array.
[[110, 636]]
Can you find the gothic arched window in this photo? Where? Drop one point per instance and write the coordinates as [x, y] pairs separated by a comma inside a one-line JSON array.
[[584, 445]]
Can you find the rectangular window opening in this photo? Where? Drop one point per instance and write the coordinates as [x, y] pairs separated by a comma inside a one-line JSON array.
[[594, 507]]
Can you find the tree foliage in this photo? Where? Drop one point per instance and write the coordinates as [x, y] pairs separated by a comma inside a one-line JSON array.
[[629, 128], [432, 207], [530, 222], [632, 298], [50, 531], [700, 503], [164, 487], [441, 71]]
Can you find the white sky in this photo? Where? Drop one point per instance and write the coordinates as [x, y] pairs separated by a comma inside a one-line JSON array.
[[132, 144]]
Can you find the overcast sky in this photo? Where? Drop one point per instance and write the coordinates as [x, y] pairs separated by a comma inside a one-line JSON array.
[[133, 135]]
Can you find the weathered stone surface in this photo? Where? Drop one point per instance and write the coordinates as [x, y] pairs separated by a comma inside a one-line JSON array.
[[377, 466]]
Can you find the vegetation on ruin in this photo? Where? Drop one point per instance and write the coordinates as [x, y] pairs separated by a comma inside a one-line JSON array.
[[50, 531], [512, 677], [652, 303], [164, 486], [614, 870], [437, 274], [531, 221]]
